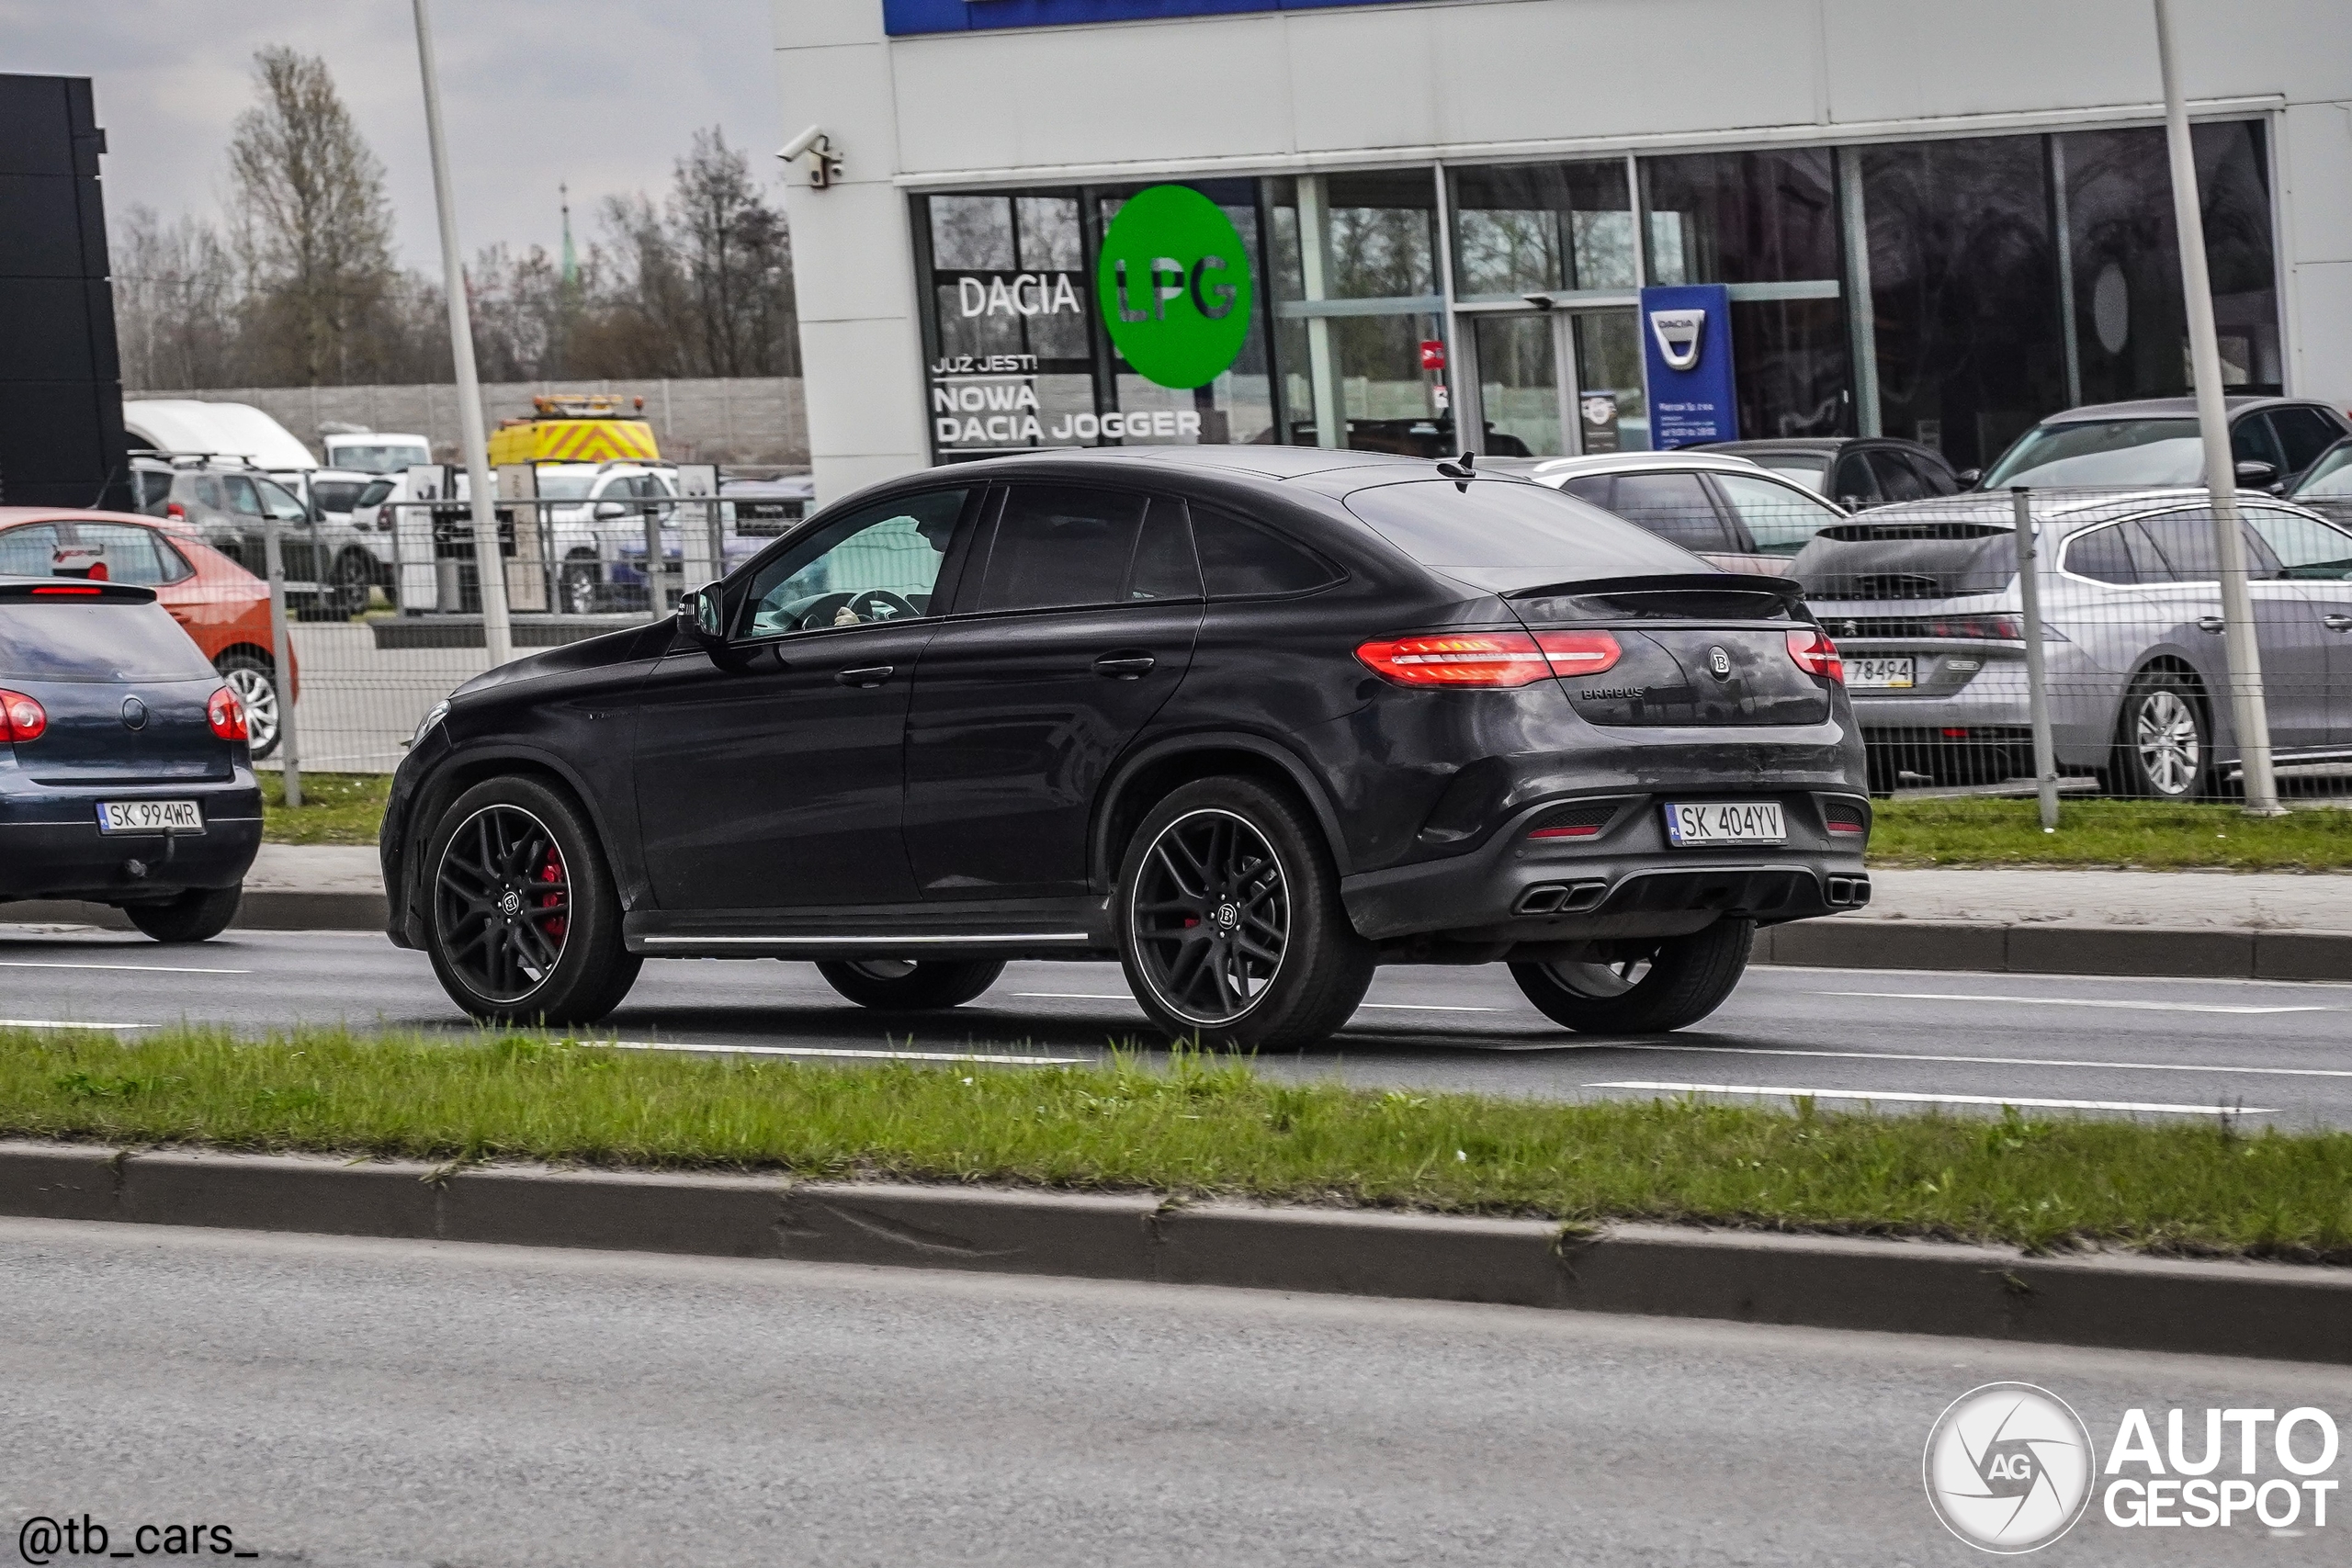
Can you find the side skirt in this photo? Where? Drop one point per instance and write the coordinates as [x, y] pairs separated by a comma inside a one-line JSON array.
[[1022, 928]]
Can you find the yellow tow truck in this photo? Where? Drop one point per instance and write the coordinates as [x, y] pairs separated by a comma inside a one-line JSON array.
[[577, 427]]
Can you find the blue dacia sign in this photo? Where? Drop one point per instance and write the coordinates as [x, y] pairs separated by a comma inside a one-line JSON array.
[[1686, 353], [900, 18]]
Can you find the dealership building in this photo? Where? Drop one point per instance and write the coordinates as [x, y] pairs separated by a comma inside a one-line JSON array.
[[1421, 225]]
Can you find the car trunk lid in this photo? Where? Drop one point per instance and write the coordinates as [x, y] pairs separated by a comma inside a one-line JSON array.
[[1694, 652], [123, 688]]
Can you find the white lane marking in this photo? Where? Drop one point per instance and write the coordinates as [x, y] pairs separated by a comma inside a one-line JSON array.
[[67, 1024], [1123, 997], [830, 1051], [2069, 1002], [1973, 1061], [1942, 1099], [144, 968]]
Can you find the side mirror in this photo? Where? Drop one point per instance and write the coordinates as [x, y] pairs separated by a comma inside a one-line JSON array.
[[702, 613], [1967, 478], [2254, 471], [610, 512]]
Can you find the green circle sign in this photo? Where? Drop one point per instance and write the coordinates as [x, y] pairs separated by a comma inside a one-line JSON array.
[[1174, 284]]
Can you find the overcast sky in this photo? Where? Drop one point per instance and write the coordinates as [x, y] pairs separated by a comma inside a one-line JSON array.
[[604, 94]]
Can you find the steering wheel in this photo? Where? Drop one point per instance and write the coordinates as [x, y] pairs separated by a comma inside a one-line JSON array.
[[868, 605]]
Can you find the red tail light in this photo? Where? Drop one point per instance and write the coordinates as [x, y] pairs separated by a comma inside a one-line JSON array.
[[1468, 658], [226, 715], [1489, 659], [1815, 654], [21, 718], [1579, 653], [175, 512]]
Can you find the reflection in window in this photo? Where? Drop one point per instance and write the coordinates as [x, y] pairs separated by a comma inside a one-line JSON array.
[[2131, 332], [1543, 226], [1791, 358], [1768, 217], [1964, 292]]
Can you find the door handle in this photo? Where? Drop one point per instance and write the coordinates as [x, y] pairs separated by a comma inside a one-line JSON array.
[[2336, 623], [2209, 623], [1124, 666], [868, 675]]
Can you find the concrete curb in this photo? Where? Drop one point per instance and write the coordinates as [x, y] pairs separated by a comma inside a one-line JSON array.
[[2275, 1310], [2210, 953], [261, 910], [2219, 953]]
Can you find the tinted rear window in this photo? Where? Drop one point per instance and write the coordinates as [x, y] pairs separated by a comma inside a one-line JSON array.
[[1489, 522], [1240, 558], [54, 641]]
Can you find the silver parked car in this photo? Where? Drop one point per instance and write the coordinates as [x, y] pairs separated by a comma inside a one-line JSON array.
[[2326, 486], [1737, 513], [1923, 601]]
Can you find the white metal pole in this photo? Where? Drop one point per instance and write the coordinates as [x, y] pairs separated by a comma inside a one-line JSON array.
[[490, 566], [2037, 664], [2249, 715], [281, 655]]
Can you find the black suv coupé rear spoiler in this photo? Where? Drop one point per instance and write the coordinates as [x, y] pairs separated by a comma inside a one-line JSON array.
[[1682, 594]]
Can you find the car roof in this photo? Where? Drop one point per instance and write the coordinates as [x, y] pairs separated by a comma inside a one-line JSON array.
[[1553, 470], [1266, 462], [2066, 511], [2170, 408]]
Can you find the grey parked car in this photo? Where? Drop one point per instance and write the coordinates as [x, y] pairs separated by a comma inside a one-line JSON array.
[[1733, 513], [1923, 601], [2156, 442], [2326, 486]]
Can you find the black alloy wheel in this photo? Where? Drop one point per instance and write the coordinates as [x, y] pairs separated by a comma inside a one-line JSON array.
[[910, 985], [524, 923], [1231, 925], [1642, 988], [348, 589]]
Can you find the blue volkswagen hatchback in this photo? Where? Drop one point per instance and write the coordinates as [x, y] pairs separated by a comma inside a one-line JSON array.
[[124, 775]]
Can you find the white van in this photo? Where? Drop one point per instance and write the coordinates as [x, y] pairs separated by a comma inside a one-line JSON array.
[[377, 451], [215, 430]]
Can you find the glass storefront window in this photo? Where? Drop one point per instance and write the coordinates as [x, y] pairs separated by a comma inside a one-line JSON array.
[[1963, 276], [1768, 217], [2131, 330], [1538, 228]]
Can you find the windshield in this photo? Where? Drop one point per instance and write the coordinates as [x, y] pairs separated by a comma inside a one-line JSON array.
[[1808, 468], [2331, 477], [380, 456], [1490, 522], [2138, 452]]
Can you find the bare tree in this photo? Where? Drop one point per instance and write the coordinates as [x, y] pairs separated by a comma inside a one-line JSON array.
[[177, 303], [312, 222]]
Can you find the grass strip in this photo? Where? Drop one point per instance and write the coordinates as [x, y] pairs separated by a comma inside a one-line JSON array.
[[337, 808], [1203, 1126], [2119, 833]]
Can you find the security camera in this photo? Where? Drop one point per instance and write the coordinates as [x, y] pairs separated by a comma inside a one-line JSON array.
[[824, 164]]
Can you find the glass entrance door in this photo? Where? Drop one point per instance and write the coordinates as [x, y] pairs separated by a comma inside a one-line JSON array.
[[1562, 383]]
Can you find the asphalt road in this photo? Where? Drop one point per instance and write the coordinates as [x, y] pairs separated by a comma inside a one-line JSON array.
[[338, 1401], [2274, 1053]]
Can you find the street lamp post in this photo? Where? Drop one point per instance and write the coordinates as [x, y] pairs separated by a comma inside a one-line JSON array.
[[490, 567], [2249, 715]]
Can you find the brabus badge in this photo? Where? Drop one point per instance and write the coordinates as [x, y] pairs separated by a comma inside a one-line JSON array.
[[1680, 334], [1719, 663]]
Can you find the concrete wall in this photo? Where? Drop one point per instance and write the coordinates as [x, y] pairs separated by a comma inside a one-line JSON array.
[[1495, 80], [742, 420]]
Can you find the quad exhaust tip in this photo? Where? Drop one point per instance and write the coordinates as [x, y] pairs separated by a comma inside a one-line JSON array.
[[1847, 892]]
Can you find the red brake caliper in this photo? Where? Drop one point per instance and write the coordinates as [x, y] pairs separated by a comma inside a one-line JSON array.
[[552, 870]]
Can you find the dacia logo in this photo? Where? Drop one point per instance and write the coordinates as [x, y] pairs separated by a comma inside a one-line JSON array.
[[1680, 335]]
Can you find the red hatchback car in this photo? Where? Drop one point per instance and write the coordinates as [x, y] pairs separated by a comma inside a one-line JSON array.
[[223, 607]]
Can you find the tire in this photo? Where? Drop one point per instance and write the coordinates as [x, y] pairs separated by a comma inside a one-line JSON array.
[[897, 984], [2163, 740], [198, 914], [1686, 979], [582, 587], [354, 575], [255, 680], [1230, 922], [522, 921]]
